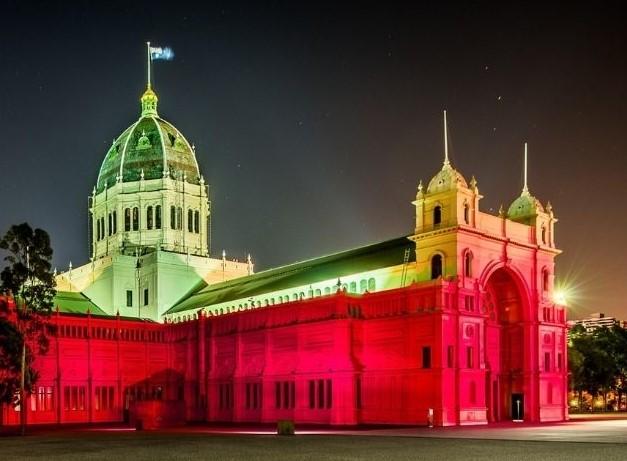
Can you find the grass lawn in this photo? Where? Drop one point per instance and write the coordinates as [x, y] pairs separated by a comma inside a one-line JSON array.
[[131, 446]]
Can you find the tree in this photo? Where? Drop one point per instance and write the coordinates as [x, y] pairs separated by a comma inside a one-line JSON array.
[[29, 279]]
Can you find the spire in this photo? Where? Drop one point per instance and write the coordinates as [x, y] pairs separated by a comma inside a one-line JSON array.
[[149, 83], [149, 99], [525, 190], [446, 161]]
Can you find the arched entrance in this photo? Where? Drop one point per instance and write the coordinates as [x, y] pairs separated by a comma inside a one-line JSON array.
[[506, 347]]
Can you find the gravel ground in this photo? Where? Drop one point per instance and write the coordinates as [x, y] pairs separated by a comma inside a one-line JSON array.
[[133, 446]]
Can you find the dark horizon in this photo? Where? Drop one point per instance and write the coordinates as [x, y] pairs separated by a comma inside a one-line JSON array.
[[314, 123]]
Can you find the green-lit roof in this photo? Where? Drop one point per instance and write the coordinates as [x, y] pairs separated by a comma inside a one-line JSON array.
[[70, 302], [367, 258]]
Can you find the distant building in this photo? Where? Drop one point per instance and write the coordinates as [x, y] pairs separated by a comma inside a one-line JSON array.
[[595, 321]]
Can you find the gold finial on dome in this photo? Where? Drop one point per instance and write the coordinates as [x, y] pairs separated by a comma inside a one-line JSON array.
[[149, 102], [149, 99]]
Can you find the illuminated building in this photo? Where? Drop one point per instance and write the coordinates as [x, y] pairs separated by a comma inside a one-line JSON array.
[[454, 321]]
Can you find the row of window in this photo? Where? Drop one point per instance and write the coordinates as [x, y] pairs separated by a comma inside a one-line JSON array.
[[153, 220], [129, 297], [124, 334], [285, 395], [364, 285], [437, 214]]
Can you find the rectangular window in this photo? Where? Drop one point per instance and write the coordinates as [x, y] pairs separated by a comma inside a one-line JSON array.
[[321, 393], [172, 217], [426, 357], [190, 220], [469, 303], [129, 298], [145, 296], [179, 218], [547, 362], [158, 217], [312, 394], [110, 229], [450, 356], [559, 361], [329, 400], [135, 218], [115, 221], [196, 222], [286, 394], [127, 219], [248, 396], [149, 217], [469, 357]]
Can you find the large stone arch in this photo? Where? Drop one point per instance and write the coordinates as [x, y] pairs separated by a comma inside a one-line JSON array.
[[510, 343]]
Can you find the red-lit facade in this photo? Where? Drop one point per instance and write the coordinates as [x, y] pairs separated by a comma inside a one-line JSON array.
[[385, 357]]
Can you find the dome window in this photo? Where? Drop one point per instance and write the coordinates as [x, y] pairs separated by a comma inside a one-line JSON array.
[[135, 218], [436, 266], [149, 217], [158, 217], [143, 142], [437, 215]]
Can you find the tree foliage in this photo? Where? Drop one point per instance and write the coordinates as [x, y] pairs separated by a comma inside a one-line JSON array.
[[28, 278], [597, 360]]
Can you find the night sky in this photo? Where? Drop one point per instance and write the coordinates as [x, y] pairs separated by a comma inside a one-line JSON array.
[[313, 123]]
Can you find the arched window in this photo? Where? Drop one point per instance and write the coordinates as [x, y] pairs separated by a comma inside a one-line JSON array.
[[466, 213], [179, 218], [437, 215], [135, 218], [353, 287], [327, 291], [110, 228], [173, 217], [543, 232], [363, 285], [545, 280], [98, 229], [127, 219], [197, 221], [149, 217], [158, 217], [468, 264], [115, 222], [318, 292], [102, 225], [436, 266], [190, 220], [372, 285]]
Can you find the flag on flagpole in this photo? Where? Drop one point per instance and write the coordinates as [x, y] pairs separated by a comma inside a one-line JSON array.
[[158, 53]]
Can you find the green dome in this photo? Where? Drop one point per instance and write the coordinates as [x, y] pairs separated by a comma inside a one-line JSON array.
[[448, 178], [151, 148], [524, 206]]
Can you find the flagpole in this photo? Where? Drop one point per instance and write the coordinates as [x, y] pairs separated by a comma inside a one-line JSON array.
[[148, 61]]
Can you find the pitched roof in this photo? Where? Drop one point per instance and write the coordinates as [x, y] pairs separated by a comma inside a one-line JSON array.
[[70, 302], [367, 258]]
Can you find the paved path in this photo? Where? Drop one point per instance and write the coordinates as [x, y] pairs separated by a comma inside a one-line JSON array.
[[599, 429]]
